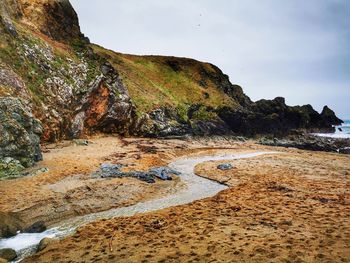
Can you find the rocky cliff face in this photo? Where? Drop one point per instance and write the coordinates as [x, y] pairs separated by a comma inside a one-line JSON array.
[[19, 137], [52, 75]]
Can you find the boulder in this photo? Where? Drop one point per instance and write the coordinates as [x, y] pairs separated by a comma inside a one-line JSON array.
[[345, 150], [163, 172], [44, 243], [225, 166], [8, 254], [37, 227]]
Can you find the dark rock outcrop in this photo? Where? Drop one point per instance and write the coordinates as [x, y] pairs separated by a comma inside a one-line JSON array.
[[275, 117], [328, 116], [55, 18]]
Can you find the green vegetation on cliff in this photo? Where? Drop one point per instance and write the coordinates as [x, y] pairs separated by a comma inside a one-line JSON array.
[[159, 81]]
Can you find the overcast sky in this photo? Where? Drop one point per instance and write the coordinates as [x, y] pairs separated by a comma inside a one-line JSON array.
[[297, 49]]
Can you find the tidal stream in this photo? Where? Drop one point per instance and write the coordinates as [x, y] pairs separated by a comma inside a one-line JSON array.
[[195, 188]]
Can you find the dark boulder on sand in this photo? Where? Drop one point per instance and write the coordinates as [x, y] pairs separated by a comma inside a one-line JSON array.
[[37, 227], [225, 166], [345, 150], [44, 243], [8, 254]]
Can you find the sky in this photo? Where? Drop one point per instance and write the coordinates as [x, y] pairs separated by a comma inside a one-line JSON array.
[[296, 49]]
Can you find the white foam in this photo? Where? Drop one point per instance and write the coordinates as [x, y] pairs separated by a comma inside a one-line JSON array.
[[24, 240], [333, 135]]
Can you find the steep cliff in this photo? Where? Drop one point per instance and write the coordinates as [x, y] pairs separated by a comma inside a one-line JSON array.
[[72, 88]]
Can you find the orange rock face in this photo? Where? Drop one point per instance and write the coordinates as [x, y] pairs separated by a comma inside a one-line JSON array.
[[98, 105]]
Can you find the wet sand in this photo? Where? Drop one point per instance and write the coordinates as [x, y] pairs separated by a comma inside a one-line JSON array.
[[290, 207]]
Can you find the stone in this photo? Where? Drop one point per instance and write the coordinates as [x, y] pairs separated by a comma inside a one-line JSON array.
[[345, 150], [44, 243], [10, 27], [10, 223], [163, 172], [225, 166], [8, 254], [37, 227], [81, 142]]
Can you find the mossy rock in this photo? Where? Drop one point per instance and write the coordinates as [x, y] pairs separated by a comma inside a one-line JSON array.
[[10, 168]]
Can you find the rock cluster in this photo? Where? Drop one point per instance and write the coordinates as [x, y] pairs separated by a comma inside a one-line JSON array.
[[309, 142], [114, 171]]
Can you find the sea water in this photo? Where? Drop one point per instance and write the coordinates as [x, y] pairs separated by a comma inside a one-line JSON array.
[[342, 131]]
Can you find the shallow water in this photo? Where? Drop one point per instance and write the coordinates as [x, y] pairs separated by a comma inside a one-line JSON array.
[[195, 188]]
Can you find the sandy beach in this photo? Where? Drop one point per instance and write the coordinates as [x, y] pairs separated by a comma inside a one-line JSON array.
[[290, 206]]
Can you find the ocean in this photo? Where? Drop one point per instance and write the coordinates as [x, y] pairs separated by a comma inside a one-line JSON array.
[[342, 131]]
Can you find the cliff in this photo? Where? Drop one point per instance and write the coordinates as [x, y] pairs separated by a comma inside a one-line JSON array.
[[71, 88]]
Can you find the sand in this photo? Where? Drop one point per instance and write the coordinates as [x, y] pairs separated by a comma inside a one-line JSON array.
[[288, 207], [68, 190]]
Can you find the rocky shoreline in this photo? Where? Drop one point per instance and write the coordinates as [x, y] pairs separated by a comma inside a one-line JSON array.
[[307, 141]]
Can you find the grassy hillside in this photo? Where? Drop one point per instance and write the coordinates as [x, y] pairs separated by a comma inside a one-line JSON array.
[[159, 81]]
